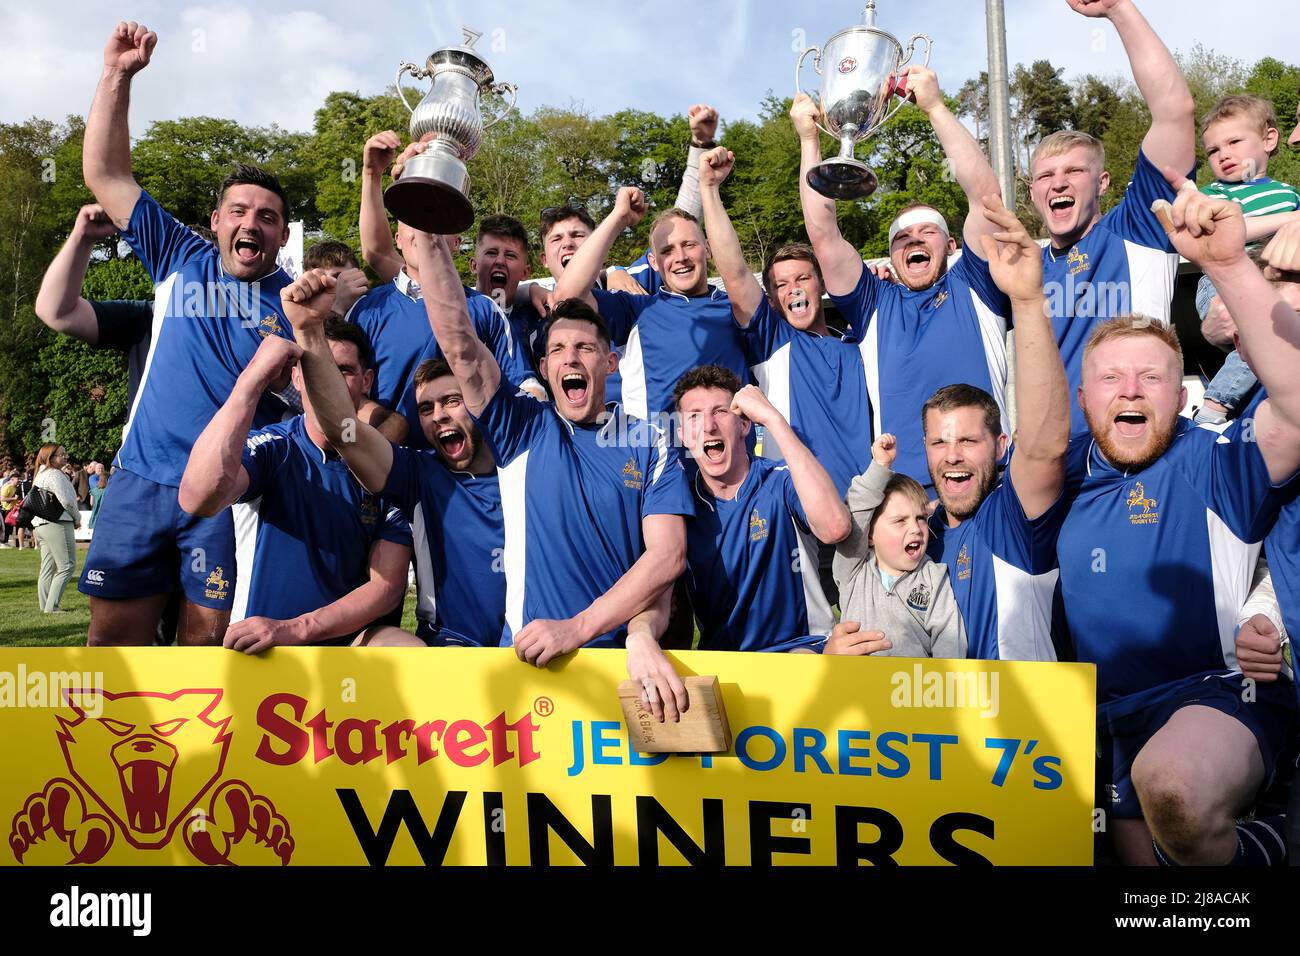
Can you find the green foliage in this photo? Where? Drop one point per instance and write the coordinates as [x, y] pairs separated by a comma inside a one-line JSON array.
[[85, 398], [117, 279]]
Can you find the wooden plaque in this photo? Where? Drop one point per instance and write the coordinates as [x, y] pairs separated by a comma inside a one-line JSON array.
[[702, 729]]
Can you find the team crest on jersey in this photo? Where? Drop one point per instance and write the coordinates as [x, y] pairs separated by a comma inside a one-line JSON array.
[[215, 586], [757, 526], [1077, 261], [919, 598], [939, 299], [369, 511], [269, 326], [963, 563], [633, 477], [1137, 498], [847, 65]]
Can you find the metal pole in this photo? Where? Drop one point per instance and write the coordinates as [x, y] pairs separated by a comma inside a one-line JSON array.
[[1000, 150]]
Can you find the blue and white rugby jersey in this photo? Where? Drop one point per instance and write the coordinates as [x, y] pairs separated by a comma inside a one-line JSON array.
[[304, 527], [206, 327], [819, 385], [1156, 564], [914, 343], [752, 565], [459, 545], [573, 497]]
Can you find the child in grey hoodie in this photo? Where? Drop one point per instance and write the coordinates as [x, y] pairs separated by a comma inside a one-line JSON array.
[[886, 581]]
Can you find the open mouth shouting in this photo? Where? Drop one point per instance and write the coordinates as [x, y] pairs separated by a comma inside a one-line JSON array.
[[916, 261], [958, 482], [497, 279], [714, 449], [798, 306], [1060, 209], [914, 549], [1131, 423], [248, 249], [453, 442], [574, 387]]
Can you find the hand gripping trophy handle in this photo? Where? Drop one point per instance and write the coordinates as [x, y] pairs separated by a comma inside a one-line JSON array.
[[817, 66], [911, 51], [417, 73], [501, 89]]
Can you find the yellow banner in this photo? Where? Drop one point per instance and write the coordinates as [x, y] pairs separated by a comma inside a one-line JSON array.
[[465, 756]]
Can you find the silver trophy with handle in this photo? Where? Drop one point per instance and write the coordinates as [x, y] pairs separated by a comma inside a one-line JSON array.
[[433, 192], [860, 70]]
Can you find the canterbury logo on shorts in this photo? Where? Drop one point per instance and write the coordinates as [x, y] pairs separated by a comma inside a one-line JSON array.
[[94, 577]]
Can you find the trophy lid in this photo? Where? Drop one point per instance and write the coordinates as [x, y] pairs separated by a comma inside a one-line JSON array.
[[462, 59]]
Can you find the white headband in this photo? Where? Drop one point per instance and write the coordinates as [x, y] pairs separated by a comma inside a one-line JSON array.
[[914, 217]]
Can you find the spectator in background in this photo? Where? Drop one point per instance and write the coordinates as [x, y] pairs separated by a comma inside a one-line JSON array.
[[97, 493], [57, 538], [8, 504]]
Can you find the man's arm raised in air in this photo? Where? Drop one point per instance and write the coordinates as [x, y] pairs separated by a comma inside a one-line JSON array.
[[841, 265], [59, 303], [106, 153], [1171, 140], [377, 247], [1042, 389], [728, 258], [660, 564], [965, 158], [1211, 232], [580, 274], [214, 477], [471, 361]]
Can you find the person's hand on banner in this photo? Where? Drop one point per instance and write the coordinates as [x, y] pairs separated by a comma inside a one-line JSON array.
[[541, 641], [253, 635], [661, 687], [847, 637]]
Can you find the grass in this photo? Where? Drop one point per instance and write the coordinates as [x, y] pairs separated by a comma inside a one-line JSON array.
[[23, 625]]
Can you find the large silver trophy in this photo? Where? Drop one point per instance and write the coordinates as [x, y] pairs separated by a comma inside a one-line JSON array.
[[861, 75], [432, 193]]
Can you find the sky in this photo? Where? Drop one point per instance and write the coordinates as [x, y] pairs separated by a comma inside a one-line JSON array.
[[274, 62]]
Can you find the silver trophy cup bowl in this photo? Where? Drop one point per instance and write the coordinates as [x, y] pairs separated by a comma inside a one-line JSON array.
[[860, 76], [432, 194]]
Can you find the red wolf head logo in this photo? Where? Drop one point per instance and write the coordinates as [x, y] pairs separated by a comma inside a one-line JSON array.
[[148, 758]]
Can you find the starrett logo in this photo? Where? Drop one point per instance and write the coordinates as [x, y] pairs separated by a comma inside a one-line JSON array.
[[143, 765], [290, 736]]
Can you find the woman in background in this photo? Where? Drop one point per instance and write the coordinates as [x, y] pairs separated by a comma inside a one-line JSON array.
[[57, 538]]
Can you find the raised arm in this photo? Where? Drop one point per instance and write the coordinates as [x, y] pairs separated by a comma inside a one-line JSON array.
[[1212, 232], [663, 560], [743, 289], [106, 152], [59, 303], [377, 247], [352, 612], [865, 494], [704, 126], [828, 518], [1042, 389], [214, 477], [965, 158], [840, 262], [471, 361], [1171, 140], [580, 274]]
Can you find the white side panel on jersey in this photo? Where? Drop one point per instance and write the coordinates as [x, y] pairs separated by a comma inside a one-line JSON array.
[[1152, 274], [248, 516], [773, 378], [869, 349], [514, 514], [161, 298], [820, 618], [426, 594], [1024, 612], [993, 333], [632, 368], [1232, 565]]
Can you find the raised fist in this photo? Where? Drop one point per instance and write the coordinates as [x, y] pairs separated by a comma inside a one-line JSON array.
[[129, 47], [704, 122], [379, 151], [716, 165]]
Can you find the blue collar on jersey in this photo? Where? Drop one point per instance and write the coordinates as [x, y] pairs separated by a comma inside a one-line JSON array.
[[221, 270], [702, 490], [613, 408], [1183, 427], [714, 293]]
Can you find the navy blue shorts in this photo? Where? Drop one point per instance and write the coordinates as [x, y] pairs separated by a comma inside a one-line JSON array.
[[1270, 717], [144, 544]]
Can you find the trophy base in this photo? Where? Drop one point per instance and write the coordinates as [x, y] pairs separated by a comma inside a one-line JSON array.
[[429, 205], [843, 178]]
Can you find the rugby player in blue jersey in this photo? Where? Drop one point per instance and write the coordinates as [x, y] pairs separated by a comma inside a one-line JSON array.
[[1157, 556], [935, 326], [1096, 266], [593, 499], [320, 558], [214, 304]]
